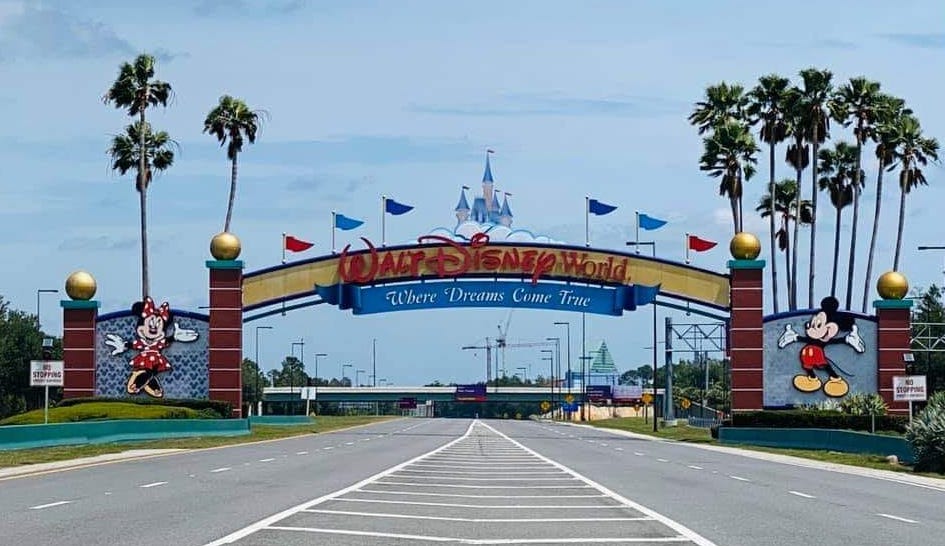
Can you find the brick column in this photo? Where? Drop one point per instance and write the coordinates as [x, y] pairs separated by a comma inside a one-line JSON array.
[[226, 332], [746, 334], [894, 339], [78, 347]]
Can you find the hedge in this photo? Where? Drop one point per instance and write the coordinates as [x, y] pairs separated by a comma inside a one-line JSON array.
[[817, 419], [221, 408]]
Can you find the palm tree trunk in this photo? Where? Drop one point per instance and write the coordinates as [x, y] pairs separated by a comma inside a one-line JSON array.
[[836, 254], [815, 146], [787, 261], [902, 219], [774, 269], [229, 206], [857, 184], [732, 203], [869, 261], [143, 202], [797, 223]]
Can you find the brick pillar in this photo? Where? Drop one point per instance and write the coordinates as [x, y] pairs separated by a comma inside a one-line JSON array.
[[746, 334], [226, 332], [78, 347], [894, 339]]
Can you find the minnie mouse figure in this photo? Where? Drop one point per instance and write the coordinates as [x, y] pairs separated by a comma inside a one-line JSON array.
[[822, 330], [155, 331]]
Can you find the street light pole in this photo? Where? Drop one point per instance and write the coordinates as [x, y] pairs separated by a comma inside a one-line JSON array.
[[357, 375], [258, 397], [555, 370], [343, 366], [924, 247], [374, 361], [584, 360], [316, 381], [668, 402], [301, 344]]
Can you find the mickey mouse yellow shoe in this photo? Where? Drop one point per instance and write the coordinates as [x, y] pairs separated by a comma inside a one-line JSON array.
[[836, 387], [806, 383]]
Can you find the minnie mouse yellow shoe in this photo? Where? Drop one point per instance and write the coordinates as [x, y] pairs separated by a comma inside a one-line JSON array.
[[836, 387]]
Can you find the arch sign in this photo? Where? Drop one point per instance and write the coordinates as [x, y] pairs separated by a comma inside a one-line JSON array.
[[439, 273]]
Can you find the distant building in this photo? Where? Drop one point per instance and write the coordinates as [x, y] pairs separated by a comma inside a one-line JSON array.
[[485, 208], [603, 368]]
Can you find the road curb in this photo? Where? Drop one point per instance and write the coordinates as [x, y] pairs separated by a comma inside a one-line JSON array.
[[887, 475]]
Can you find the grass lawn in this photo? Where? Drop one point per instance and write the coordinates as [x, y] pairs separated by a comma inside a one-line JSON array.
[[259, 432], [682, 432], [101, 411]]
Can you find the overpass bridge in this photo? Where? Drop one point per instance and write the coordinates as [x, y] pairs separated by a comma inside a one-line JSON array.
[[395, 393]]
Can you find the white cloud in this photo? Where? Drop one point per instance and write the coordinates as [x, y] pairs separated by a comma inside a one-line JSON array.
[[497, 234]]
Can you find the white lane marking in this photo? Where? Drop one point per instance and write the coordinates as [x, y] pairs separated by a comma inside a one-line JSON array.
[[663, 460], [349, 443], [466, 486], [471, 520], [686, 532], [638, 454], [739, 478], [108, 493], [618, 448], [267, 522], [490, 506], [468, 479], [269, 460], [804, 495], [897, 518], [428, 494], [485, 472], [581, 540], [602, 444], [50, 505], [301, 452], [694, 467], [329, 447], [149, 485], [221, 469]]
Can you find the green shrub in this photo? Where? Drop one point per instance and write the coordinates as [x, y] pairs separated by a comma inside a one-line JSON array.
[[818, 419], [98, 411], [220, 407], [863, 404], [926, 433]]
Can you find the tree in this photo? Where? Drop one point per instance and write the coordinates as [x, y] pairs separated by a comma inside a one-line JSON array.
[[785, 207], [839, 180], [21, 341], [856, 103], [730, 155], [767, 106], [252, 377], [815, 91], [722, 103], [292, 373], [889, 112], [136, 90], [912, 150], [231, 120], [798, 156]]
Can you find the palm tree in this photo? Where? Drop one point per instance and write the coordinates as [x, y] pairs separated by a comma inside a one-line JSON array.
[[125, 152], [232, 119], [912, 151], [722, 103], [730, 154], [855, 103], [798, 156], [816, 89], [767, 106], [837, 167], [889, 113], [136, 90], [785, 206]]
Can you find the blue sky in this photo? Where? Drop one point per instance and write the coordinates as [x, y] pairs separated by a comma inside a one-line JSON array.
[[370, 98]]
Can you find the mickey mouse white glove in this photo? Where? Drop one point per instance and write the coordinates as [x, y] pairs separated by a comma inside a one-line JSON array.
[[853, 340], [789, 336]]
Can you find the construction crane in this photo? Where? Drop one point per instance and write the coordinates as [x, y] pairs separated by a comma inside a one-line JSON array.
[[488, 348], [502, 339], [503, 344]]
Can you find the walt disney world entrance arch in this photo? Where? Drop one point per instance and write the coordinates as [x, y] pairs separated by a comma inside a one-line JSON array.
[[769, 368]]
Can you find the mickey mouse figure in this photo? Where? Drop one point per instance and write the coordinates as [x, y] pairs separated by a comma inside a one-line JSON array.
[[822, 330], [155, 330]]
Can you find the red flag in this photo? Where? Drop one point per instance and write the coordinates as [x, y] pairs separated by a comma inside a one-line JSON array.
[[297, 245], [700, 245]]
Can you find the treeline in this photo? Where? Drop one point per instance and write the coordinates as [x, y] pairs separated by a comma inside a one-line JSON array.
[[866, 120], [21, 340]]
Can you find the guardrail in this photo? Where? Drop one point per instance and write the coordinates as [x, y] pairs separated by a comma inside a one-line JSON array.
[[280, 420], [97, 432], [703, 422], [844, 441]]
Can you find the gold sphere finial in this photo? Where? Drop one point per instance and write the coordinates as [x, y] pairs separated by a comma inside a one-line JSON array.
[[225, 246], [745, 246], [892, 285], [80, 285]]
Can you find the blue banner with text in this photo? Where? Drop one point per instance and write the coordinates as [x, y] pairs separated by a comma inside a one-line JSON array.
[[364, 300]]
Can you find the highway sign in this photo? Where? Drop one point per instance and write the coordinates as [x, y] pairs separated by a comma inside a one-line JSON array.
[[685, 403], [46, 373], [545, 405], [647, 398], [569, 407], [569, 398], [909, 388]]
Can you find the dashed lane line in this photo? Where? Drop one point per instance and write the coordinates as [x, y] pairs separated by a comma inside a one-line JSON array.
[[269, 460], [50, 505], [739, 478], [897, 518], [221, 469], [150, 485], [694, 467], [301, 452], [803, 495]]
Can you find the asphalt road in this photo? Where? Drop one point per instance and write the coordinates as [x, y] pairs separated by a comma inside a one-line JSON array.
[[506, 482]]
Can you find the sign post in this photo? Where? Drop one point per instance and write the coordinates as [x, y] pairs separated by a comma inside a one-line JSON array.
[[909, 388], [46, 373]]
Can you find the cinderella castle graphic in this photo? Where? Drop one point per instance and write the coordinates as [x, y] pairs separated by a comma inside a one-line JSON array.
[[485, 208]]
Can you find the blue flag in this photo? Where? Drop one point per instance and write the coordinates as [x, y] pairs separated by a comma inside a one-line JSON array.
[[644, 295], [599, 208], [648, 222], [395, 208], [345, 223]]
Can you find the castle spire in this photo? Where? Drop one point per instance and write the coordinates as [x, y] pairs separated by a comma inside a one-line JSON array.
[[487, 175], [505, 215], [462, 208]]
